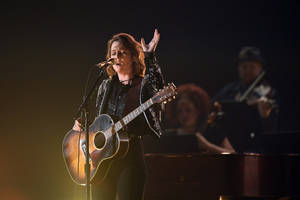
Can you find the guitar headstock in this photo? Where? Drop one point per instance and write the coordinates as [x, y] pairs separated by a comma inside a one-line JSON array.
[[166, 94]]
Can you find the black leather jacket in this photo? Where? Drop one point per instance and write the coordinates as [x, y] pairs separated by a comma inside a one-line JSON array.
[[150, 84]]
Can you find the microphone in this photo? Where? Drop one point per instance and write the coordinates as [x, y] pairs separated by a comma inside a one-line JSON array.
[[106, 63]]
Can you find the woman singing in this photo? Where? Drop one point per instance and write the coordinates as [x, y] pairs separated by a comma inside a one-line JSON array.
[[134, 76]]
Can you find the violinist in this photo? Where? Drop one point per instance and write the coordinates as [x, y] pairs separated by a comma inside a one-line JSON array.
[[262, 100]]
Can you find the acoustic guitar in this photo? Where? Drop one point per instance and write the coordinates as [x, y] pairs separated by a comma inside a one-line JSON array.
[[106, 141]]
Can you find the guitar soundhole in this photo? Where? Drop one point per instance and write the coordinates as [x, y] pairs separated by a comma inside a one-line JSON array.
[[99, 140]]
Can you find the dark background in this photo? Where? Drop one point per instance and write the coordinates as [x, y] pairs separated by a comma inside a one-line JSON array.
[[47, 49]]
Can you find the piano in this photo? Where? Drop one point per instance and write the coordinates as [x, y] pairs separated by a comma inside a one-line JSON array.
[[231, 176]]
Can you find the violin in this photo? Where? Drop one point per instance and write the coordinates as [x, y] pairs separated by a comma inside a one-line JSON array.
[[257, 92]]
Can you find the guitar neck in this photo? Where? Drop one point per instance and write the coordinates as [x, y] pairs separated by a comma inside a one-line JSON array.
[[132, 115]]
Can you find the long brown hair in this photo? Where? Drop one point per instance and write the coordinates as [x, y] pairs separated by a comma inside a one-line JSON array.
[[135, 49]]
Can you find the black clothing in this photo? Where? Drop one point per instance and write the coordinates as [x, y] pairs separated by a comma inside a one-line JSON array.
[[150, 84], [123, 99], [127, 176], [241, 123], [116, 104]]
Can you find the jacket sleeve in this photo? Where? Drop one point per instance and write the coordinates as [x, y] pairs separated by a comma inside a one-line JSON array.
[[152, 82], [153, 70]]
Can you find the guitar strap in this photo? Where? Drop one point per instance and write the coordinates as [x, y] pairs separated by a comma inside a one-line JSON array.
[[154, 118]]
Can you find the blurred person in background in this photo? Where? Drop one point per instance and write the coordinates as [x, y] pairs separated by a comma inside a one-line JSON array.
[[249, 114], [189, 113]]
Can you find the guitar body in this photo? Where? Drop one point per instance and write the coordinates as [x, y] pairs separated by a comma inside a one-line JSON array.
[[105, 146]]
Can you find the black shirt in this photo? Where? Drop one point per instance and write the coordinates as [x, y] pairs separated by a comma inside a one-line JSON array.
[[122, 100]]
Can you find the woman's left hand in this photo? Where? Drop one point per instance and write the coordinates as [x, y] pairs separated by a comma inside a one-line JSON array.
[[152, 45]]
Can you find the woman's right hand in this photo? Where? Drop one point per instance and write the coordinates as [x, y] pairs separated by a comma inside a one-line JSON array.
[[152, 44], [77, 126]]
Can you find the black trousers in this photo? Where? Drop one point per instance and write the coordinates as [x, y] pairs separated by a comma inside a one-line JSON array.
[[126, 178]]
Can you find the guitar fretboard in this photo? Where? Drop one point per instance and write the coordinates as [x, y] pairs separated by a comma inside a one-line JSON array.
[[132, 115]]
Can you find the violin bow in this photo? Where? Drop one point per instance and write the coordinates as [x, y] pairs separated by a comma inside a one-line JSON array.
[[247, 92]]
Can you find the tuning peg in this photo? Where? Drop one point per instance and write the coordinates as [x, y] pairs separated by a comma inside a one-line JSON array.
[[174, 97], [165, 102], [169, 99]]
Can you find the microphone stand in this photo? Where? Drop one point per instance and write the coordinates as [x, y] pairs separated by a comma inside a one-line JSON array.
[[83, 112]]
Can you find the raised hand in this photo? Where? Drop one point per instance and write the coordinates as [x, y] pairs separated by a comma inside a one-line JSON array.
[[152, 44]]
